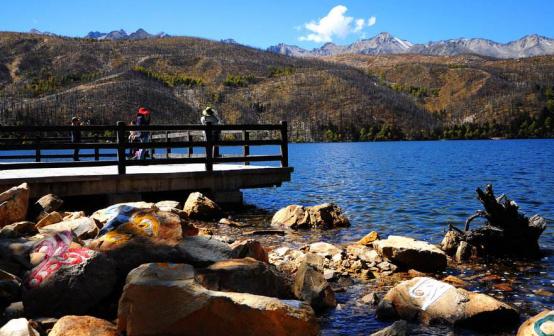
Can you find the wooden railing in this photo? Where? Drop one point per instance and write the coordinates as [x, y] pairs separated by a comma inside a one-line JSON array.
[[35, 141]]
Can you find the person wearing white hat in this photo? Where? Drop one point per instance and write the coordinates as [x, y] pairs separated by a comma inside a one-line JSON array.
[[209, 115]]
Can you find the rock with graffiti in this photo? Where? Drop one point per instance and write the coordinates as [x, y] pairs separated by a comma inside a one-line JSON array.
[[433, 301], [78, 277], [123, 222], [541, 324]]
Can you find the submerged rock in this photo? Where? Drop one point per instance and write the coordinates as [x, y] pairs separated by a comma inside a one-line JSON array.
[[14, 204], [245, 275], [411, 253], [198, 206], [541, 324], [433, 301], [151, 288], [323, 216], [72, 325]]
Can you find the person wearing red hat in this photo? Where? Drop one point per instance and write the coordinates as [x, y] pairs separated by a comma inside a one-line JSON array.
[[143, 119]]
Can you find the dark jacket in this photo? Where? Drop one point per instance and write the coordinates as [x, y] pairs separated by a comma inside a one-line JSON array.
[[76, 135]]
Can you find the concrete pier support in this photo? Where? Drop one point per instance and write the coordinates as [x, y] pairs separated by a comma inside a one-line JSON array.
[[124, 197], [227, 197]]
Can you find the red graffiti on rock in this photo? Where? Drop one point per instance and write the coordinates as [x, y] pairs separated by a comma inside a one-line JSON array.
[[58, 254]]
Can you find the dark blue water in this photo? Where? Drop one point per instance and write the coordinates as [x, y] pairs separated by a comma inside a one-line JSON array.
[[416, 189]]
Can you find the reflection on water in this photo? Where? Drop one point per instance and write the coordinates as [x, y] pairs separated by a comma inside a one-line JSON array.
[[416, 189]]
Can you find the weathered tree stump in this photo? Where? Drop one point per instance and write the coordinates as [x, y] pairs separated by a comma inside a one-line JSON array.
[[507, 232]]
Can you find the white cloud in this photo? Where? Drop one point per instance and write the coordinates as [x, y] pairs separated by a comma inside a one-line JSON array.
[[371, 21], [359, 25], [335, 24]]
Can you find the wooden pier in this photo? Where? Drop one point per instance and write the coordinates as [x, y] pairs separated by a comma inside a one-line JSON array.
[[43, 156]]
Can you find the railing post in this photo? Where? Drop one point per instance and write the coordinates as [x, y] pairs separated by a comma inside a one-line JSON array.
[[96, 149], [191, 150], [121, 139], [168, 149], [37, 149], [209, 147], [246, 148], [284, 145]]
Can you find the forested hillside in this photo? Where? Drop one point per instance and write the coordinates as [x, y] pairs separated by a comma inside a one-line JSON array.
[[472, 95], [46, 80]]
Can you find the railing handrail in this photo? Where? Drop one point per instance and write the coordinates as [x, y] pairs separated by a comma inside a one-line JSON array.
[[180, 127], [120, 131]]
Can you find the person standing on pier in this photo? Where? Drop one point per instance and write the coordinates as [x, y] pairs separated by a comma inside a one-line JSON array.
[[143, 119], [75, 136], [209, 115]]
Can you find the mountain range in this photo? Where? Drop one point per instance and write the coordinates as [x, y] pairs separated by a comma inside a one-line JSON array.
[[114, 35], [385, 44]]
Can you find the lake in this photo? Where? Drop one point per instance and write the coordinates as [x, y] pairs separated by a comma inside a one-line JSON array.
[[416, 189]]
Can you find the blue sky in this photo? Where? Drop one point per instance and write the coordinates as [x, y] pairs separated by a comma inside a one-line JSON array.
[[308, 23]]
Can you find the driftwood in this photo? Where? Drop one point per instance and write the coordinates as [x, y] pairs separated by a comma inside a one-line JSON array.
[[507, 232]]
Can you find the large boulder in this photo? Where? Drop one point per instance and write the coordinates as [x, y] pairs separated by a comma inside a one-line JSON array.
[[10, 289], [541, 324], [14, 255], [14, 204], [77, 277], [369, 238], [398, 328], [72, 325], [128, 222], [323, 216], [434, 301], [411, 253], [103, 216], [327, 216], [18, 229], [18, 327], [49, 203], [165, 299], [206, 250], [310, 284], [168, 206], [83, 228], [249, 248], [324, 249], [45, 205], [198, 206], [246, 275], [286, 259], [49, 219]]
